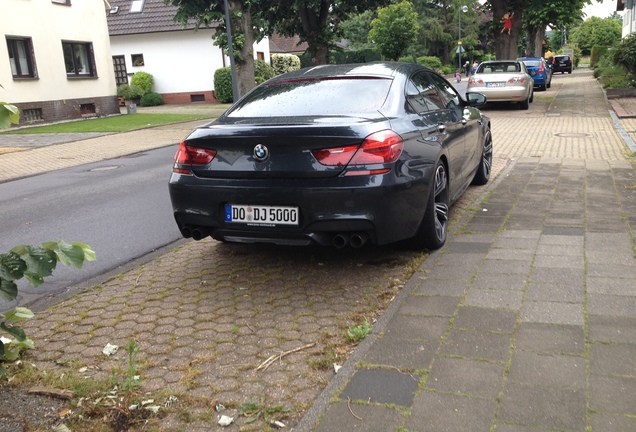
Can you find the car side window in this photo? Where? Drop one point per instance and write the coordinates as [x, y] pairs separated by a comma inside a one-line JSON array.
[[429, 95], [451, 98], [414, 98]]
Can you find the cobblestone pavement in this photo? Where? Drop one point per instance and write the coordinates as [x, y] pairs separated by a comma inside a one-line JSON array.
[[207, 314]]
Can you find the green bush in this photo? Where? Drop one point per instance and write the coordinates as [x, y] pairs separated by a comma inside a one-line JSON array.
[[597, 53], [223, 85], [625, 54], [283, 63], [430, 61], [143, 81], [151, 99], [263, 71], [450, 70]]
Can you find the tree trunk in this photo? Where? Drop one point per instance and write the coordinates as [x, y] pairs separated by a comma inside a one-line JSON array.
[[506, 43], [313, 26], [245, 70]]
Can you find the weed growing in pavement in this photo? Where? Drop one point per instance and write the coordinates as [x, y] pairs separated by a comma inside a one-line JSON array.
[[255, 410], [132, 379], [357, 333]]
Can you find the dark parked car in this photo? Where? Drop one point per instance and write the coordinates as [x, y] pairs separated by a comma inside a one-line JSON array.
[[539, 71], [334, 155], [562, 63]]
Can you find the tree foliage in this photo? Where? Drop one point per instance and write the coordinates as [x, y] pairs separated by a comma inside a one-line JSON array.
[[597, 31], [316, 22], [8, 114], [395, 29]]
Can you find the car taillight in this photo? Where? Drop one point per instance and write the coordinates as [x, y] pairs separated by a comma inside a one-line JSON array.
[[516, 80], [475, 81], [541, 68], [378, 148], [188, 156]]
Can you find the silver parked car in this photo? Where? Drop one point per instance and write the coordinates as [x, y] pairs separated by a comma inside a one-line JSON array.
[[503, 81]]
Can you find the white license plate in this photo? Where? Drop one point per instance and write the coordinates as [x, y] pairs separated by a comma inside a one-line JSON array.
[[496, 84], [267, 215]]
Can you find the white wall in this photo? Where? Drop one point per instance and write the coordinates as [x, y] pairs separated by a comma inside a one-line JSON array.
[[180, 62], [47, 24]]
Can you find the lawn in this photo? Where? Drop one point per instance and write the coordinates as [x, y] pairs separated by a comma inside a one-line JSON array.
[[120, 123]]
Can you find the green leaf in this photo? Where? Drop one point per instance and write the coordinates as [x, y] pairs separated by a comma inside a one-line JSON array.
[[74, 254], [8, 114], [14, 331], [40, 262], [19, 313], [8, 289], [12, 267]]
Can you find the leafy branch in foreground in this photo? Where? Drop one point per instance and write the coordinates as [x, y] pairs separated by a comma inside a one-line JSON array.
[[33, 263]]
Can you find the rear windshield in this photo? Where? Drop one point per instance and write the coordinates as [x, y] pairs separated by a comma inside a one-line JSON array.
[[498, 67], [532, 63], [563, 58], [314, 97]]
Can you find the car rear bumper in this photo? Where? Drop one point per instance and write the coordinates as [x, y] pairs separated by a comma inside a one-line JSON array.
[[348, 210], [507, 94]]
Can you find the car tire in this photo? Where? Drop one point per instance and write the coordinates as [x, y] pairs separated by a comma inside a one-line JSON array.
[[543, 87], [531, 96], [549, 84], [434, 225], [524, 105], [485, 164]]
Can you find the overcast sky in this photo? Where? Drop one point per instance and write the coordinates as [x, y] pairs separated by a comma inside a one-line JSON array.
[[601, 10]]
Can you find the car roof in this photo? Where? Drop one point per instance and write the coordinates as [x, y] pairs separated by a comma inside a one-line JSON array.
[[530, 58], [379, 69]]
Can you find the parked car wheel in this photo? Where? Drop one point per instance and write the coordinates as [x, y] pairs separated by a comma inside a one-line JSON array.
[[483, 172], [531, 96], [434, 226], [524, 105]]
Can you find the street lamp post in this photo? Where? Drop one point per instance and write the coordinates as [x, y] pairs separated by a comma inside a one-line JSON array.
[[459, 35]]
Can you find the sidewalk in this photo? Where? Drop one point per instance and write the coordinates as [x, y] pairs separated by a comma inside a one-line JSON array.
[[524, 321]]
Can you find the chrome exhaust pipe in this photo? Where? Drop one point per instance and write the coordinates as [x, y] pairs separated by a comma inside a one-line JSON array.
[[358, 240], [200, 233], [340, 240]]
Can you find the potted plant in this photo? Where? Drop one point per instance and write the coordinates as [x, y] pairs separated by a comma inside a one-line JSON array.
[[129, 93]]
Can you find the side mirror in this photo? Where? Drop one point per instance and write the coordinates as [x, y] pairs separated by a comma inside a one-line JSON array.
[[475, 99]]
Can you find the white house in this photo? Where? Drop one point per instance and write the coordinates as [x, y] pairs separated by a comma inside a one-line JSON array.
[[56, 63], [629, 17], [182, 61]]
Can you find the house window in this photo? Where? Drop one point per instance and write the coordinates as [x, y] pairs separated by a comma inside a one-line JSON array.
[[79, 59], [137, 59], [87, 109], [21, 57], [119, 64], [260, 55]]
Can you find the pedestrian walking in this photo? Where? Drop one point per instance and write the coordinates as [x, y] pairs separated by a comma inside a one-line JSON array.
[[467, 67], [475, 64], [458, 76]]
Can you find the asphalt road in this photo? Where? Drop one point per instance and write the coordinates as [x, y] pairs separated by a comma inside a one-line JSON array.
[[119, 207]]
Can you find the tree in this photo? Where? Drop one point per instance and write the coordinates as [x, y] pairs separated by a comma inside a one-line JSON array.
[[356, 29], [205, 12], [395, 29], [597, 31], [506, 45], [316, 22], [555, 14]]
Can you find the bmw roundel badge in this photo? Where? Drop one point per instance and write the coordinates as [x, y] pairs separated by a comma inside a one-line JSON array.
[[261, 152]]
